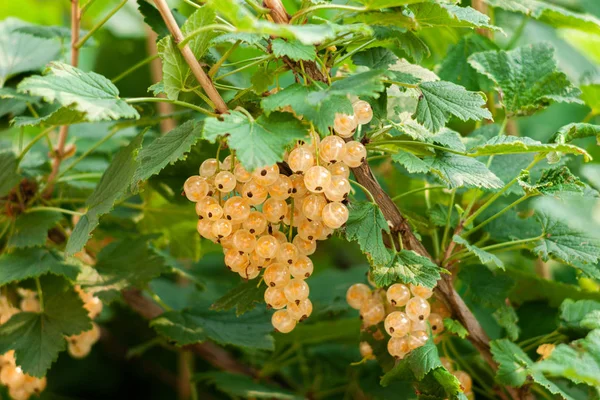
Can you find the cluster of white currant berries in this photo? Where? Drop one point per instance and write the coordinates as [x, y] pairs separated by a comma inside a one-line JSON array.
[[266, 220], [20, 385], [465, 380], [80, 345], [405, 311]]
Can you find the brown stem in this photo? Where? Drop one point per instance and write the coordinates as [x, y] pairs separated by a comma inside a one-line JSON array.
[[482, 7], [166, 125], [189, 57]]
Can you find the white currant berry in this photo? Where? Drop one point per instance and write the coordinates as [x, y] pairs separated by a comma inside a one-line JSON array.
[[335, 215], [250, 272], [241, 174], [312, 206], [465, 380], [296, 290], [225, 181], [300, 159], [274, 210], [203, 204], [421, 291], [397, 324], [277, 275], [339, 169], [332, 149], [275, 298], [266, 176], [267, 246], [195, 188], [287, 254], [317, 178], [338, 188], [235, 260], [344, 125], [417, 309], [256, 223], [226, 163], [209, 167], [302, 268], [254, 193], [301, 310], [398, 347], [310, 230], [306, 247], [299, 190], [236, 209], [281, 189], [222, 228], [244, 241], [398, 294], [372, 312], [362, 112], [213, 212], [357, 295], [356, 154], [436, 322], [447, 363], [417, 339], [283, 321], [366, 351]]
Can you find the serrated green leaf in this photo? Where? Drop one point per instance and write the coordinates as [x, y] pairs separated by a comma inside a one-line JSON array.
[[527, 77], [293, 49], [23, 264], [412, 45], [591, 320], [438, 215], [460, 171], [375, 58], [261, 80], [9, 176], [573, 313], [590, 94], [513, 363], [441, 100], [257, 142], [420, 362], [565, 242], [165, 150], [51, 114], [366, 225], [152, 18], [38, 338], [14, 103], [550, 14], [379, 4], [407, 267], [486, 287], [245, 387], [113, 184], [433, 14], [412, 163], [51, 32], [574, 131], [31, 229], [251, 330], [520, 145], [507, 318], [552, 182], [367, 83], [482, 255], [249, 38], [86, 92], [455, 327], [243, 297], [20, 52]]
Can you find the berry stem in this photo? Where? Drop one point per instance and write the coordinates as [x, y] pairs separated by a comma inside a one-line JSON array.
[[40, 294]]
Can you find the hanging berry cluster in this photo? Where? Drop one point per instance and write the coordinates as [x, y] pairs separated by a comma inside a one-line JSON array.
[[80, 345], [465, 380], [266, 220], [405, 311]]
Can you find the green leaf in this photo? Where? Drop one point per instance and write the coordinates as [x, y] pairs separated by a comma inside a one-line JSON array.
[[368, 84], [460, 171], [379, 4], [243, 297], [550, 14], [261, 80], [565, 242], [113, 184], [507, 318], [125, 263], [293, 49], [419, 361], [31, 229], [177, 75], [375, 58], [52, 32], [251, 330], [407, 267], [241, 386], [14, 103], [413, 46], [166, 149], [344, 329], [513, 363], [412, 163], [574, 131], [455, 66], [51, 114], [553, 181], [573, 313], [20, 52], [38, 338], [257, 142], [433, 14], [152, 18], [590, 94], [86, 92], [455, 327], [438, 215], [482, 255], [519, 145], [527, 77], [23, 264], [440, 100], [365, 225], [486, 287], [9, 176]]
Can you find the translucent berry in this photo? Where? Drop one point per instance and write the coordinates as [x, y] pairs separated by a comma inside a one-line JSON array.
[[338, 188], [397, 324], [417, 309], [250, 272], [372, 312], [301, 310], [30, 304], [203, 204], [287, 254], [275, 298], [254, 193], [226, 163], [282, 321], [11, 375], [437, 323], [317, 178], [266, 176], [195, 188], [300, 159], [447, 363], [281, 189], [256, 223], [244, 241], [277, 275], [302, 268], [235, 260], [344, 125], [298, 188], [274, 210], [421, 291], [339, 169], [225, 181], [310, 230], [356, 154], [257, 260], [280, 236], [332, 149], [296, 290], [222, 228], [465, 380], [362, 112], [398, 347], [213, 212], [306, 247], [267, 246], [419, 326], [236, 209], [325, 233], [398, 294], [366, 351], [335, 215], [357, 295], [241, 174], [312, 206], [209, 167]]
